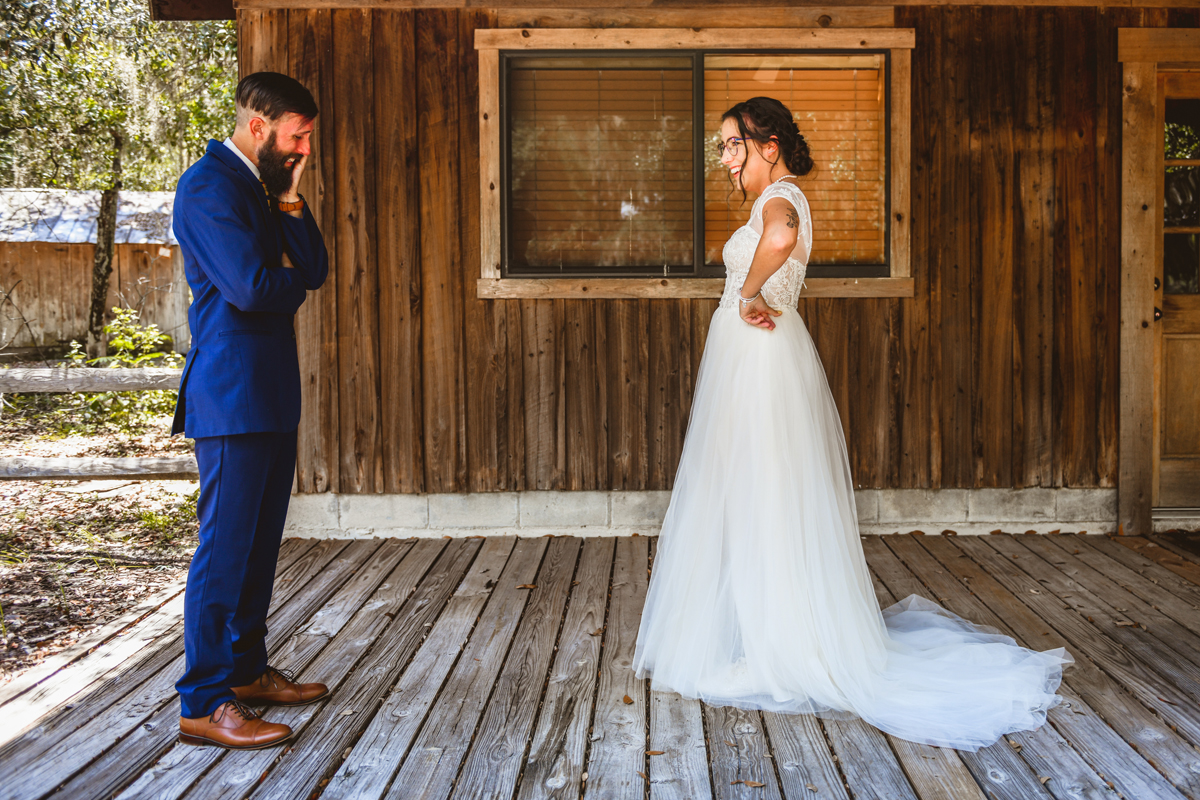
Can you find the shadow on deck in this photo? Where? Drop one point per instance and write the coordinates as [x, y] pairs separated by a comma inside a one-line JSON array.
[[499, 668]]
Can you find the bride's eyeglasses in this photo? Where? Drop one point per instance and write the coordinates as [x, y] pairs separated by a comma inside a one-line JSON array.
[[733, 145]]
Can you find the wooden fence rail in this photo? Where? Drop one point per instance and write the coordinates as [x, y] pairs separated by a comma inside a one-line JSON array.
[[68, 379], [28, 468], [76, 379]]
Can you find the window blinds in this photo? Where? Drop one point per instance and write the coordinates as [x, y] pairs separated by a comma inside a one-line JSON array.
[[838, 103], [601, 165]]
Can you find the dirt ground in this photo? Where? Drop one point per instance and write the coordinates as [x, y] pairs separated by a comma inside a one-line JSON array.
[[76, 555]]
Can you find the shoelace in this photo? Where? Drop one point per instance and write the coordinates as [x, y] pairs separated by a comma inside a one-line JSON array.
[[288, 676], [243, 710]]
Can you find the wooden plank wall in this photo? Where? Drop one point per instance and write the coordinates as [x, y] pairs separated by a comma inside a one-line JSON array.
[[1001, 371], [51, 287]]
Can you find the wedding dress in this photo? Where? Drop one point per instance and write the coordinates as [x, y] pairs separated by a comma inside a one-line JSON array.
[[760, 595]]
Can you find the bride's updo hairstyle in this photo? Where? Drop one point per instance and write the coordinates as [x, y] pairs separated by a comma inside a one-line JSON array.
[[761, 118]]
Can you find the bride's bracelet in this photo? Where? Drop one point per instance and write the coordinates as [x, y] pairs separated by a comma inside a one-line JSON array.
[[745, 301]]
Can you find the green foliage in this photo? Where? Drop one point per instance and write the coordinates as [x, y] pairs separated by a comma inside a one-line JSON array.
[[1182, 141], [165, 525], [130, 344], [76, 75]]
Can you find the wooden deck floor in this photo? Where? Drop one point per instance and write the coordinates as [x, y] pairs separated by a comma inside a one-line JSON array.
[[499, 668]]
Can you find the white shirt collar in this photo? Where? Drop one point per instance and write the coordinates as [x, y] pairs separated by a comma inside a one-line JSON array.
[[229, 143]]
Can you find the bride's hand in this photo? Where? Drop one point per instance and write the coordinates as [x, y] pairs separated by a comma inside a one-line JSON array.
[[758, 313]]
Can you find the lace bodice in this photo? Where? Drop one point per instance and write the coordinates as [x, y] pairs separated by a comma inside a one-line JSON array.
[[782, 290]]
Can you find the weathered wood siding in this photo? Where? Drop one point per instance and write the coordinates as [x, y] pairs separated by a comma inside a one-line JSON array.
[[51, 288], [1001, 371]]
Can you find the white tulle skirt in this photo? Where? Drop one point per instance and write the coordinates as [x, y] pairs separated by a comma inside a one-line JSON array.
[[760, 595]]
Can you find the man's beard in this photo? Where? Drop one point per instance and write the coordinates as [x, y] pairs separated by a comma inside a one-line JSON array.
[[273, 169]]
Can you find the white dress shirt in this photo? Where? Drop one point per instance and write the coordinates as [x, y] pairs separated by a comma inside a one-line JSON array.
[[229, 143]]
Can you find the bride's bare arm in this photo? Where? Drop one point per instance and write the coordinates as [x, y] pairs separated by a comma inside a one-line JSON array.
[[781, 226]]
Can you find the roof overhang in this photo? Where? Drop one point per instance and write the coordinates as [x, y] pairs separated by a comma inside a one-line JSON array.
[[191, 9]]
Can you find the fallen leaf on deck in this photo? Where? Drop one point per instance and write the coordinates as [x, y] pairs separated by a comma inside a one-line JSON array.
[[527, 586], [627, 700], [810, 787], [1043, 779], [655, 752], [753, 784]]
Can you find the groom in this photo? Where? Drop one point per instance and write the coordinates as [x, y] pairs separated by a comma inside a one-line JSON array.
[[251, 251]]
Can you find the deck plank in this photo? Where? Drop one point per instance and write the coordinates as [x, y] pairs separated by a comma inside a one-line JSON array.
[[66, 737], [802, 757], [146, 722], [1150, 570], [542, 712], [738, 754], [1166, 543], [869, 766], [394, 632], [1149, 650], [616, 763], [679, 767], [498, 750], [1131, 607], [381, 749], [433, 763], [1076, 748], [1093, 697], [1164, 557], [1081, 636], [554, 768], [176, 772], [1159, 597]]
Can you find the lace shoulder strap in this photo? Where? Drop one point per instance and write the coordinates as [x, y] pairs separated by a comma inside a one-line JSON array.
[[793, 195]]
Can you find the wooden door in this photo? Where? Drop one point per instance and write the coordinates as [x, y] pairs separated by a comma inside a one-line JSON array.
[[1177, 297]]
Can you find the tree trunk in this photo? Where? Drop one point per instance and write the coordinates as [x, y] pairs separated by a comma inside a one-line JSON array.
[[102, 267]]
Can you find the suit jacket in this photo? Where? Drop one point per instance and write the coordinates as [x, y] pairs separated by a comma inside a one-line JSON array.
[[241, 374]]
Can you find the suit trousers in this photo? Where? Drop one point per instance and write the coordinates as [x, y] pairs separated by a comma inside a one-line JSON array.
[[245, 486]]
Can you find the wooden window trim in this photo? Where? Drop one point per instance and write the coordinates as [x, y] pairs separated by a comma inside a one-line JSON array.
[[489, 42]]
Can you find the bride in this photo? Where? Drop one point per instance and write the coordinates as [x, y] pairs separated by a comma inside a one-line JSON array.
[[760, 595]]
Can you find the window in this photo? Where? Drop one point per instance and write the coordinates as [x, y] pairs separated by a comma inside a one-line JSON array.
[[600, 175], [600, 168]]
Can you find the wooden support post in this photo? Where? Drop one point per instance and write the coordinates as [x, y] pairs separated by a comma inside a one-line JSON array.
[[1139, 248]]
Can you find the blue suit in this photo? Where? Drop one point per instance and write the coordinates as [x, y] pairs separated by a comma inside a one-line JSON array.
[[239, 398]]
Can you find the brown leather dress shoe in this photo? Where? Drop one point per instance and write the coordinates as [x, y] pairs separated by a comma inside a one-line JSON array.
[[233, 726], [279, 688]]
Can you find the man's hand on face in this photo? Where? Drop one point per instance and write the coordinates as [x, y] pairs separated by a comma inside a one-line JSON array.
[[293, 193]]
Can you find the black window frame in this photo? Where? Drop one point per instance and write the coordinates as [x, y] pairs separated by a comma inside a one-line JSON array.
[[700, 269]]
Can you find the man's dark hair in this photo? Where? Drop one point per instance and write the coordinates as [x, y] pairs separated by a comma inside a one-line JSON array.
[[273, 94]]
